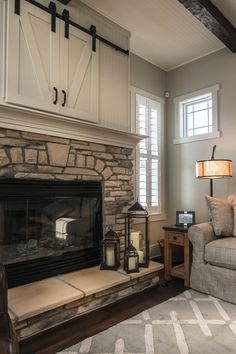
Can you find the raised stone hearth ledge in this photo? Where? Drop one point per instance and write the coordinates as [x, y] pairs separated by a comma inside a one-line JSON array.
[[60, 126], [43, 304]]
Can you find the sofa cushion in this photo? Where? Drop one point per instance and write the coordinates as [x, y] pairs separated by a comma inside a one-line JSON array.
[[221, 213], [222, 252], [232, 201]]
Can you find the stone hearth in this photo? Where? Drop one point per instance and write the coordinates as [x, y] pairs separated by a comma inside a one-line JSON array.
[[40, 305]]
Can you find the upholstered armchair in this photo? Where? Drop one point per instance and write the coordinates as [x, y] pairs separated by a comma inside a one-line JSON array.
[[8, 339], [213, 269]]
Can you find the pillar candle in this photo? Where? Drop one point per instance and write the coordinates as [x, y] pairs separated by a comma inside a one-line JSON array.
[[134, 237], [110, 257], [140, 255]]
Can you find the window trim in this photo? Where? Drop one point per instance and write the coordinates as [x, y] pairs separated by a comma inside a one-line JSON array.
[[179, 124], [161, 215]]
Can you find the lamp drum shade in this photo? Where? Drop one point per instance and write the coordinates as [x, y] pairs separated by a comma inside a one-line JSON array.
[[216, 168]]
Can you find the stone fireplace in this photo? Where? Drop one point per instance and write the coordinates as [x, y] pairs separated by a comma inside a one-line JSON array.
[[38, 161], [42, 161]]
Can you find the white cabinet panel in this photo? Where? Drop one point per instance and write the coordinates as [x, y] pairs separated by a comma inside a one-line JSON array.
[[32, 58], [41, 62], [79, 78], [91, 86], [113, 88]]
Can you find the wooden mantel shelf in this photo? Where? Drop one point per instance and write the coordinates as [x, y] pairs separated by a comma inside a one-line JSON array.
[[55, 125]]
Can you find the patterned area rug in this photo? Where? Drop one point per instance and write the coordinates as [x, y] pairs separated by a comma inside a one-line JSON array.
[[190, 323]]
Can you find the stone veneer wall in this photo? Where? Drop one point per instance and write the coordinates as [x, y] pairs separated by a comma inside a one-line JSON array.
[[29, 155]]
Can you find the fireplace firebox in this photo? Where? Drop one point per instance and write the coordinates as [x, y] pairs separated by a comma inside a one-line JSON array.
[[49, 227]]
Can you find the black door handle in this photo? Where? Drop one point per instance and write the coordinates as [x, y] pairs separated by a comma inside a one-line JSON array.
[[56, 95], [64, 102]]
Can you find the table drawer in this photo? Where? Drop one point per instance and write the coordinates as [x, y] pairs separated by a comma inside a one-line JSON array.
[[177, 238]]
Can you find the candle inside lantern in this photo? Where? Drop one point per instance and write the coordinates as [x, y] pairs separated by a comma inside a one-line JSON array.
[[140, 256], [132, 264], [134, 237], [110, 257]]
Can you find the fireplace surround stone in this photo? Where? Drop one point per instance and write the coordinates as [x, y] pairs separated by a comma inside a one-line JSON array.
[[26, 155]]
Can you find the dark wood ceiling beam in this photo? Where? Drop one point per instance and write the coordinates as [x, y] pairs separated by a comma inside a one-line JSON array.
[[213, 19], [65, 2]]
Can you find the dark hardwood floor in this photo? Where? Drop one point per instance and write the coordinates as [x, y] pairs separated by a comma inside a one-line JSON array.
[[76, 330]]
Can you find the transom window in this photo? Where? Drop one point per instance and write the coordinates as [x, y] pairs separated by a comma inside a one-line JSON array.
[[196, 115], [149, 122]]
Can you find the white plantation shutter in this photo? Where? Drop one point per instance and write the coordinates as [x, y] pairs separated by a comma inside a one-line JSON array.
[[148, 122]]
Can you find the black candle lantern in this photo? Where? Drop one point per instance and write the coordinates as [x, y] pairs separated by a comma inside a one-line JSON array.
[[131, 260], [110, 247], [140, 239]]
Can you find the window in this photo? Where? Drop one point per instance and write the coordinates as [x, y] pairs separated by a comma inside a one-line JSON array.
[[196, 115], [149, 175]]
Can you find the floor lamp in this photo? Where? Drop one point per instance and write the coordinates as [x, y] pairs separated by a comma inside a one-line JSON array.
[[213, 168]]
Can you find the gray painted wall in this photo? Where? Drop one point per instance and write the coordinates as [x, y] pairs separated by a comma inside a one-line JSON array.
[[147, 76], [184, 191]]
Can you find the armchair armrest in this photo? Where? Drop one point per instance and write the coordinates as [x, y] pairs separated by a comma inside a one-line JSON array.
[[200, 235], [3, 289]]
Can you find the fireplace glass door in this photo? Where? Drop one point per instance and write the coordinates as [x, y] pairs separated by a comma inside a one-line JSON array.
[[42, 224], [42, 227]]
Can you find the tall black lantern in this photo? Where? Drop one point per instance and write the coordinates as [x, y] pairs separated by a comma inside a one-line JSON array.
[[110, 247], [131, 259], [139, 239]]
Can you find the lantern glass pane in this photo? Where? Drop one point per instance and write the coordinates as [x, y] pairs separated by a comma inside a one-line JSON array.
[[110, 255], [132, 263]]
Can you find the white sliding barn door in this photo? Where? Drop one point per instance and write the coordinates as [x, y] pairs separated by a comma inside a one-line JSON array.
[[32, 58], [79, 75]]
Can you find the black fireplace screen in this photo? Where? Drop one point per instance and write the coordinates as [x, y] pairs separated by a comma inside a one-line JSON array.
[[53, 227]]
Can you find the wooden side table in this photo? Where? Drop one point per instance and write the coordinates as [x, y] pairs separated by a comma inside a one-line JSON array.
[[175, 235]]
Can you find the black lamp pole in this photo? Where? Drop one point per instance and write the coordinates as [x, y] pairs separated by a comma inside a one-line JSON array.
[[211, 187], [211, 180]]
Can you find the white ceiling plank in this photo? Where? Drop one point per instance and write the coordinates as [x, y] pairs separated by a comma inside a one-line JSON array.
[[162, 31]]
